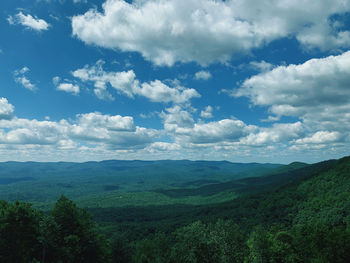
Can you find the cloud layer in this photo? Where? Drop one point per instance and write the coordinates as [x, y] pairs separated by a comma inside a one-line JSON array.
[[95, 134], [206, 31], [115, 132]]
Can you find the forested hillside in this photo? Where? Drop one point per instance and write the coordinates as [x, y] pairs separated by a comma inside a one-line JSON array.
[[116, 183], [295, 215], [306, 220]]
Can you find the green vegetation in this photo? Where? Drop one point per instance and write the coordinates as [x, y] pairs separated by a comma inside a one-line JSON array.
[[68, 234], [118, 183], [297, 213]]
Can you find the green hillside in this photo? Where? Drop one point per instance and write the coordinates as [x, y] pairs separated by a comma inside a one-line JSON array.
[[295, 213], [118, 183], [311, 209]]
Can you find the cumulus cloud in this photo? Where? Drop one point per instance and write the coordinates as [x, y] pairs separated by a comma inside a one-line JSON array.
[[68, 87], [278, 133], [177, 119], [223, 130], [114, 132], [104, 136], [126, 83], [114, 123], [206, 31], [21, 78], [202, 75], [28, 22], [23, 131], [321, 137], [6, 109], [163, 146], [233, 134], [261, 66], [65, 86], [157, 91], [180, 123], [316, 91], [207, 112]]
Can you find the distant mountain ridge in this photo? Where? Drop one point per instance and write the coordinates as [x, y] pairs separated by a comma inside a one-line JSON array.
[[44, 182], [317, 191]]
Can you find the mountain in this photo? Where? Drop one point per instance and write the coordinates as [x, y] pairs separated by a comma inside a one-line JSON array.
[[290, 214], [283, 197], [101, 183], [303, 215]]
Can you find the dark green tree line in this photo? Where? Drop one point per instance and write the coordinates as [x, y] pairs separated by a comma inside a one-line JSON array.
[[66, 235]]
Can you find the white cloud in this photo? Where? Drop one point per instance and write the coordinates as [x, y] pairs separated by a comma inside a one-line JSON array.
[[113, 132], [56, 80], [28, 21], [228, 134], [177, 119], [20, 77], [23, 131], [163, 146], [206, 31], [67, 145], [278, 133], [207, 112], [98, 136], [113, 123], [202, 75], [6, 109], [321, 137], [324, 36], [68, 87], [157, 91], [180, 124], [125, 82], [223, 130], [261, 66], [317, 92]]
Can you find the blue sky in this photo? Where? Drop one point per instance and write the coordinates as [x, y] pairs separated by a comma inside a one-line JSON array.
[[237, 80]]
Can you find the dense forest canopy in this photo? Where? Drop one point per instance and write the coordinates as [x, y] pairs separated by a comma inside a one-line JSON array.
[[305, 219]]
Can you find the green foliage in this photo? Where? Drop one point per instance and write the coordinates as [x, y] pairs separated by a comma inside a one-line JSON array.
[[78, 239], [152, 251], [119, 183], [220, 242], [306, 220], [317, 241], [19, 229], [68, 235], [303, 215], [259, 246]]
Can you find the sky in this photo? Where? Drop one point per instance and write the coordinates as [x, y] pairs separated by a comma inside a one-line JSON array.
[[236, 80]]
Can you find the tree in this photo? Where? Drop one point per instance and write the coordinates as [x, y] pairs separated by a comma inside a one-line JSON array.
[[259, 244], [19, 229], [78, 238], [198, 242]]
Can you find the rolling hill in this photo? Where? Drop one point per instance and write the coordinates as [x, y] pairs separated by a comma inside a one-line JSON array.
[[119, 182]]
